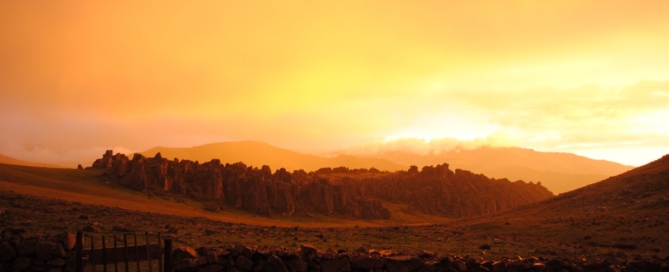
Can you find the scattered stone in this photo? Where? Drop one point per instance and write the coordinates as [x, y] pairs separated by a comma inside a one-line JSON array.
[[121, 228], [209, 232], [308, 249]]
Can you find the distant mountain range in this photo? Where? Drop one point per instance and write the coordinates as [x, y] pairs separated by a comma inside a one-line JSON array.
[[559, 172], [259, 154], [9, 160]]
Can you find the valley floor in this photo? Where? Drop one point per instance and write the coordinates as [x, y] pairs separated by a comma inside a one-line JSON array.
[[55, 200], [473, 237]]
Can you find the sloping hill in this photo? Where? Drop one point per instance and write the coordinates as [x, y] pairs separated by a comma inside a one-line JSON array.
[[628, 212], [559, 172], [258, 154], [9, 160], [644, 188]]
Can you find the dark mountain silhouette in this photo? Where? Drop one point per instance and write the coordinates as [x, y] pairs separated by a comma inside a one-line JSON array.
[[559, 172], [257, 153], [9, 160], [357, 193]]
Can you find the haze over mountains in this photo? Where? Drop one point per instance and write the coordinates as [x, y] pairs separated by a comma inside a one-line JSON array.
[[559, 172], [259, 154], [9, 160]]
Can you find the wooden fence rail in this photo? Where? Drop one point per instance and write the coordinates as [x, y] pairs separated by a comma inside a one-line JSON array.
[[125, 254]]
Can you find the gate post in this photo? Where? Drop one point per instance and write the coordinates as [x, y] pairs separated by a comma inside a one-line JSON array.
[[80, 251], [168, 255]]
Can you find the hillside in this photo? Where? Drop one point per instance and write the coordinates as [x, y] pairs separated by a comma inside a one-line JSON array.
[[257, 153], [9, 160], [356, 193], [559, 172], [645, 188], [629, 211]]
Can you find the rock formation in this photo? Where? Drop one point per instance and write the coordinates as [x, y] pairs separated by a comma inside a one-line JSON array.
[[357, 193]]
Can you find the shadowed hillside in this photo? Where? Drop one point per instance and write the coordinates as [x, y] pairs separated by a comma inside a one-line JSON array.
[[559, 172], [357, 193]]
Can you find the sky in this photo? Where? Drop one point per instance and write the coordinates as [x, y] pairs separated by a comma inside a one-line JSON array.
[[586, 77]]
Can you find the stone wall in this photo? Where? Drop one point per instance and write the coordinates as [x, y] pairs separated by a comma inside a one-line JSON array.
[[241, 258], [23, 251]]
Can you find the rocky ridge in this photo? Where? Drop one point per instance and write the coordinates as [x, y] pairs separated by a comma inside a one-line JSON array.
[[357, 193]]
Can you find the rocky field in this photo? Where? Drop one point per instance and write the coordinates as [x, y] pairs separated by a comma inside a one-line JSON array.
[[543, 239]]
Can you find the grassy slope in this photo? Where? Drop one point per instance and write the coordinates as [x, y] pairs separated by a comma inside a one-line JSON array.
[[89, 187]]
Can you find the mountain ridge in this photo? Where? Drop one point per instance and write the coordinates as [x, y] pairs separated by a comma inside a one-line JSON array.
[[259, 153]]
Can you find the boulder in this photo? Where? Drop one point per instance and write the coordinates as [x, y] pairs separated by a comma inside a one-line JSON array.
[[243, 263], [68, 240], [366, 263], [7, 251], [44, 250], [56, 262], [21, 263], [403, 263], [274, 264], [339, 264], [295, 262], [184, 252], [27, 247]]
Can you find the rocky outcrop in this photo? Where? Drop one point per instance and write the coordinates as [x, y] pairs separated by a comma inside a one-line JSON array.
[[357, 193], [256, 190], [439, 190]]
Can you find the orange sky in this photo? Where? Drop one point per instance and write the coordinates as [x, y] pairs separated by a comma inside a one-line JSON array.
[[79, 77]]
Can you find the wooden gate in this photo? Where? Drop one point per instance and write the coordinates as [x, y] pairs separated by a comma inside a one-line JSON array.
[[116, 252]]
